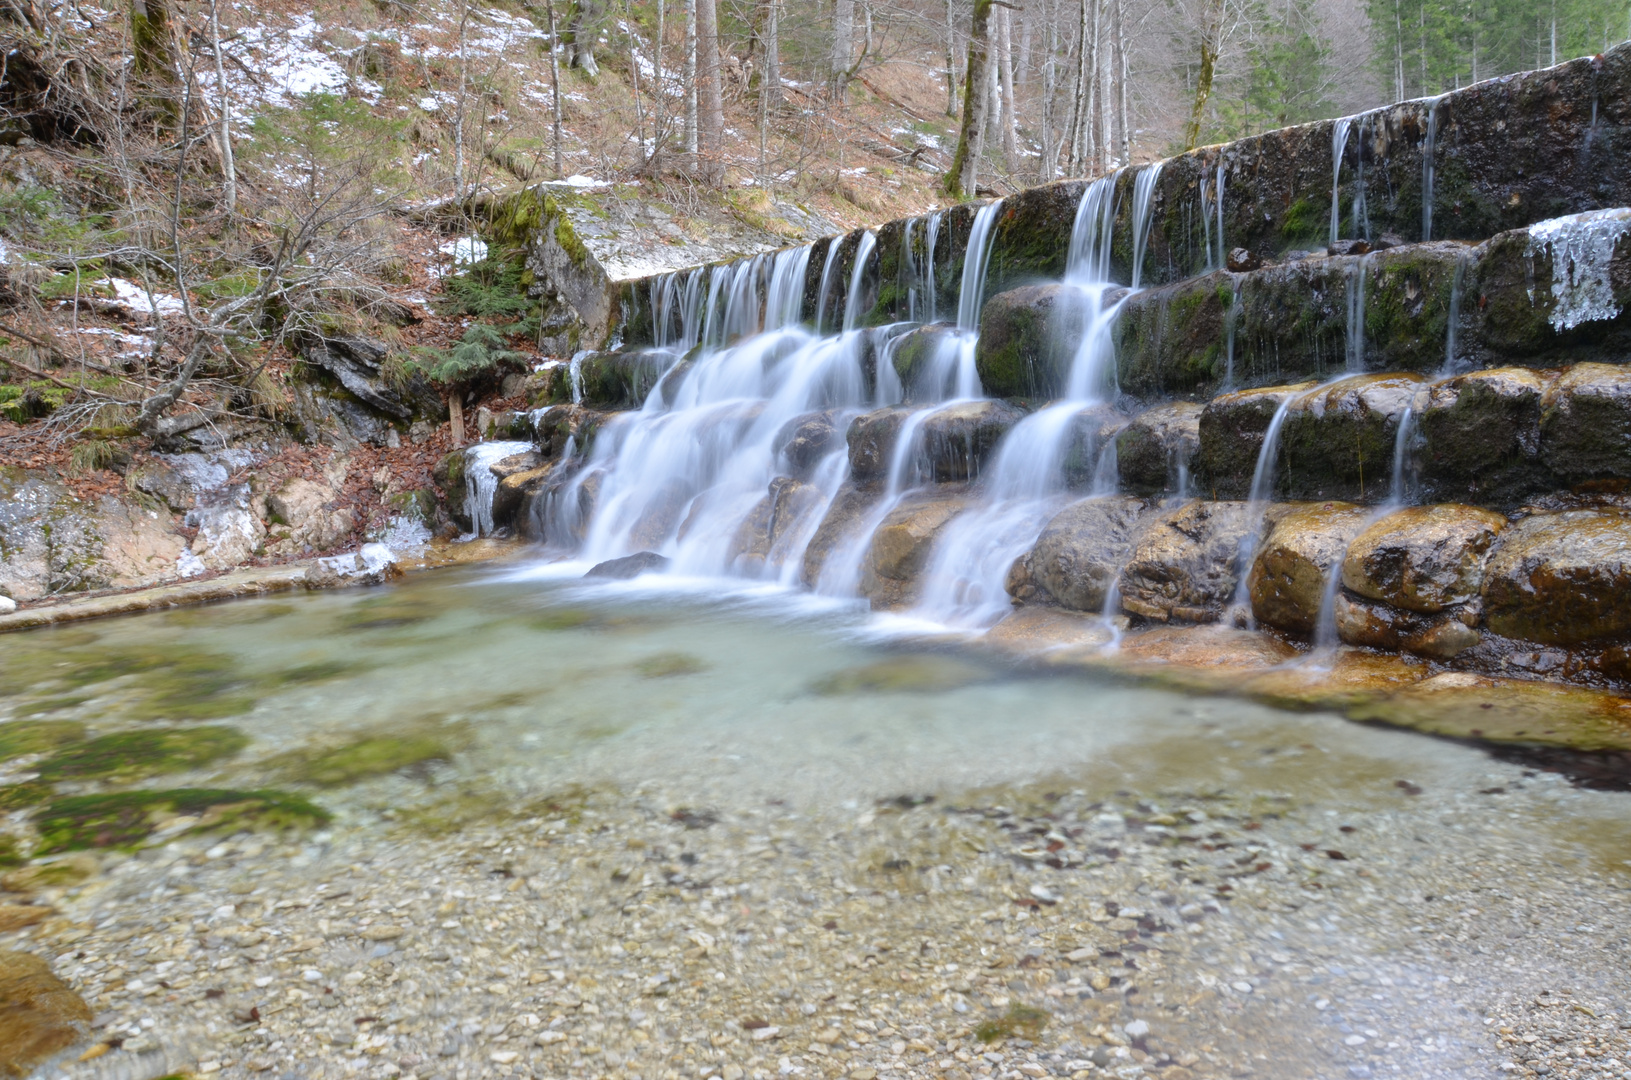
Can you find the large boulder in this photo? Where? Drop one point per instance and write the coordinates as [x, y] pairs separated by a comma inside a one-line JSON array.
[[1092, 430], [229, 530], [1029, 337], [950, 442], [804, 441], [1562, 579], [1480, 436], [1585, 424], [1231, 432], [917, 354], [1182, 566], [1338, 441], [764, 536], [1297, 564], [516, 488], [560, 428], [301, 518], [359, 364], [846, 515], [1423, 558], [902, 542], [1081, 552], [1156, 449]]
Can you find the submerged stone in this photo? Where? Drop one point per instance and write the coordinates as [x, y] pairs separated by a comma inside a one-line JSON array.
[[132, 755], [1562, 578], [126, 819], [1423, 558], [902, 674], [40, 1015], [629, 566], [370, 756], [20, 737], [1081, 552], [1297, 561]]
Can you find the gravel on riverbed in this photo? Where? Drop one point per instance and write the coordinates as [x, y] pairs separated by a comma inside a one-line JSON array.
[[1090, 925]]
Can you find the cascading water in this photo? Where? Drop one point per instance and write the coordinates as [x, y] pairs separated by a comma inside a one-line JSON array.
[[479, 482], [931, 285], [951, 372], [857, 275], [1339, 145], [1429, 152], [1257, 501], [826, 279], [1231, 322], [1024, 487], [1452, 362], [1361, 202], [1212, 208], [1143, 196], [1358, 277]]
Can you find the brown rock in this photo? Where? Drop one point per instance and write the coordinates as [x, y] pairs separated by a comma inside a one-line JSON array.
[[845, 516], [1480, 435], [1082, 550], [515, 488], [1585, 424], [763, 535], [39, 1014], [1423, 558], [1443, 639], [902, 542], [1033, 630], [871, 438], [1231, 433], [1289, 577], [1155, 451], [1182, 565], [804, 440], [17, 916], [1562, 578], [1374, 626]]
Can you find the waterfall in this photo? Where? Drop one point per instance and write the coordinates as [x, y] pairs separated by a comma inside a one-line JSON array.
[[574, 375], [907, 271], [1257, 500], [1361, 203], [826, 279], [1358, 272], [1339, 144], [1429, 151], [971, 297], [1143, 196], [931, 286], [1024, 486], [1217, 197], [1452, 363], [852, 299], [480, 484], [784, 297], [1398, 489], [1230, 322]]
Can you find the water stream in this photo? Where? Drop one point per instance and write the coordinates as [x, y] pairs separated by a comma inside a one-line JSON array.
[[480, 483], [1339, 143]]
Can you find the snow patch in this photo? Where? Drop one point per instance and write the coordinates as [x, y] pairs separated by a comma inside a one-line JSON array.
[[189, 565]]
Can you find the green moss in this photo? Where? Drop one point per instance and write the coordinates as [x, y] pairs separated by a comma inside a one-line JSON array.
[[131, 755], [371, 756], [1303, 221], [37, 736], [18, 796], [9, 855], [564, 619], [126, 819], [387, 612], [1026, 1021], [664, 665]]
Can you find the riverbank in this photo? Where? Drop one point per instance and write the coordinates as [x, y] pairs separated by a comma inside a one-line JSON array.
[[670, 840]]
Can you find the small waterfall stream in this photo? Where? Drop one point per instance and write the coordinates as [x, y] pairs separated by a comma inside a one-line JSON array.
[[1339, 144], [1428, 153]]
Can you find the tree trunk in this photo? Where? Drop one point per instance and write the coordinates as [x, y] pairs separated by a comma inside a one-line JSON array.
[[154, 56], [581, 30], [459, 103], [843, 45], [1124, 133], [691, 86], [963, 176], [770, 81], [1050, 39], [951, 62], [554, 82], [710, 97], [660, 96], [1211, 28], [1005, 72], [229, 172]]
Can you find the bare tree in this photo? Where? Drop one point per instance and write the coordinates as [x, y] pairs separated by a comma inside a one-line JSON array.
[[690, 80], [710, 97], [1005, 74], [554, 82], [951, 61], [581, 29], [229, 172], [843, 45]]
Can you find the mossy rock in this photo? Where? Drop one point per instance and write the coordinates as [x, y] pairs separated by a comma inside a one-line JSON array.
[[22, 737], [9, 855], [1026, 1021], [368, 757], [666, 665], [131, 755], [126, 819]]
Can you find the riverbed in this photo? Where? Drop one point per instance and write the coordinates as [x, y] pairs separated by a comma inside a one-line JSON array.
[[515, 825]]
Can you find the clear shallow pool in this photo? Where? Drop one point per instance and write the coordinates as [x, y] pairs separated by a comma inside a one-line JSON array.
[[515, 721]]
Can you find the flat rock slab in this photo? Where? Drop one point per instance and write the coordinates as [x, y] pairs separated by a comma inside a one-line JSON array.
[[39, 1014]]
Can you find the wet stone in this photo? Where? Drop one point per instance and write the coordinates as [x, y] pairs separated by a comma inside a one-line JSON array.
[[1423, 558], [1081, 552], [1561, 578], [1155, 451], [39, 1014], [1585, 427], [1297, 563], [1182, 566]]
